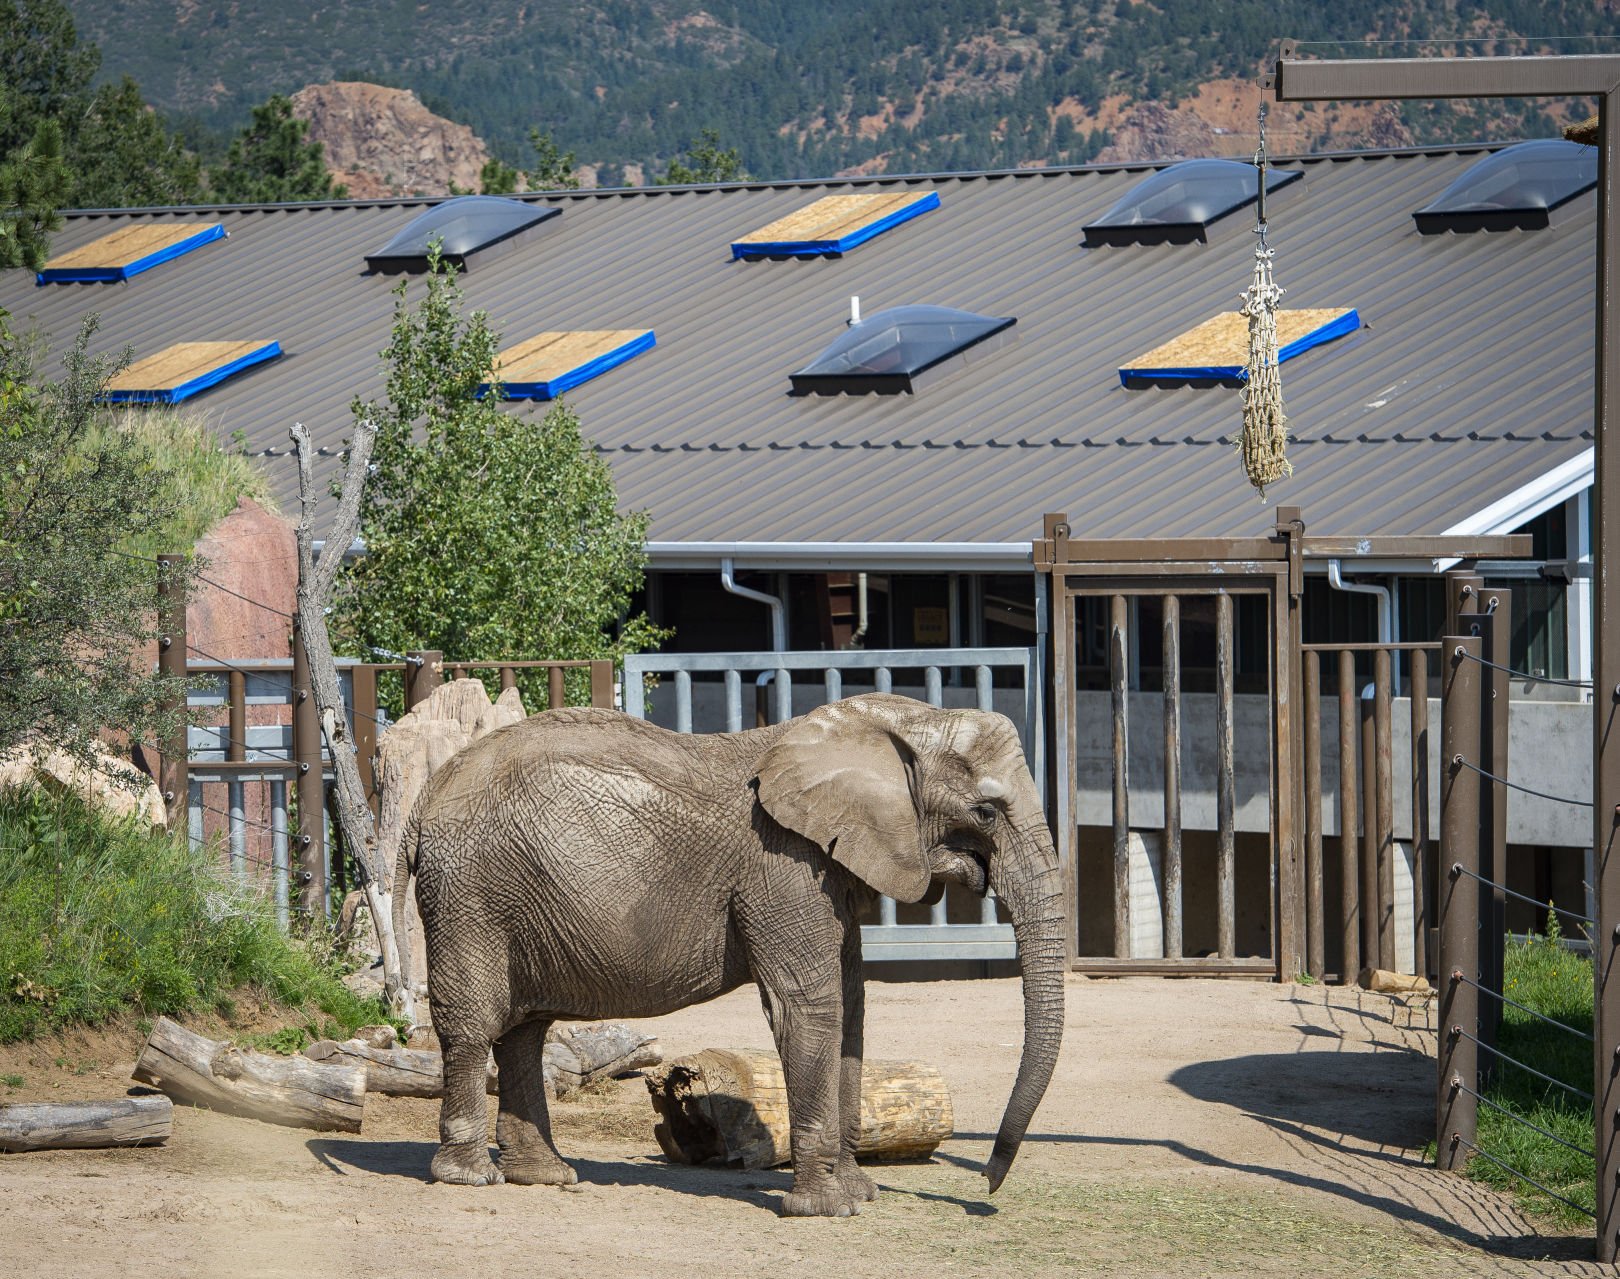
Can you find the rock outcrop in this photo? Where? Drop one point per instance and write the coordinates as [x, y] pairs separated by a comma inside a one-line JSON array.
[[109, 784], [1151, 131], [382, 141]]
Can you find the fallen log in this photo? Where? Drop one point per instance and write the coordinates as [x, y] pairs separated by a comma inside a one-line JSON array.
[[85, 1125], [730, 1107], [573, 1058], [293, 1091], [1383, 982]]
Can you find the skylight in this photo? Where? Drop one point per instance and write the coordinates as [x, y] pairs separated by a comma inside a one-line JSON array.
[[1176, 205], [1218, 349], [463, 226], [180, 371], [888, 352], [834, 224], [546, 365], [1516, 188], [128, 252]]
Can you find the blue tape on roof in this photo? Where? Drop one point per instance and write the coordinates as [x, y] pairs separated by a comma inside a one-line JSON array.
[[821, 248], [1347, 323], [115, 274], [550, 390], [174, 394]]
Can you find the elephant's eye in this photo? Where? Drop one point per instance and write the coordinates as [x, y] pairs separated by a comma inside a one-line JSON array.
[[984, 814]]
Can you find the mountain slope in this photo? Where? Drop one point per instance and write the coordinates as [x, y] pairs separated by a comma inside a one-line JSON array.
[[811, 89]]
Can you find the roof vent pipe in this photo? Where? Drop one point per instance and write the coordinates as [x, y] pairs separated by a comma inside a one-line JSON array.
[[773, 602], [854, 309], [1386, 628]]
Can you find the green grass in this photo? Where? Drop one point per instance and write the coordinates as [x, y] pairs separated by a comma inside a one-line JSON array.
[[1542, 975], [204, 479], [98, 919]]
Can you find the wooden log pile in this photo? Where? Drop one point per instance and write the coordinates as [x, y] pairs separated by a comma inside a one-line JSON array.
[[85, 1125], [730, 1107]]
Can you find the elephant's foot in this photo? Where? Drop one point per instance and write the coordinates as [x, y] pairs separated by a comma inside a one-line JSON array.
[[466, 1165], [856, 1184], [834, 1201], [537, 1168]]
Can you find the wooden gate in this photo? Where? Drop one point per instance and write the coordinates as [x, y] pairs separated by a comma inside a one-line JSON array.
[[1177, 762]]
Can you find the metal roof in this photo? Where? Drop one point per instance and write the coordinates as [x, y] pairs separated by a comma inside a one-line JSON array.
[[1472, 378]]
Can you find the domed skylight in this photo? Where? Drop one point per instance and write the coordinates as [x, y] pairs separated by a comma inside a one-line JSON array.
[[1515, 188], [889, 350], [1177, 204], [463, 226]]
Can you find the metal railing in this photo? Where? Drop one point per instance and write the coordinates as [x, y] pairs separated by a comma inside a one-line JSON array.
[[942, 937]]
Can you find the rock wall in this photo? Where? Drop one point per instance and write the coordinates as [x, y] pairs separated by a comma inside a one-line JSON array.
[[383, 141]]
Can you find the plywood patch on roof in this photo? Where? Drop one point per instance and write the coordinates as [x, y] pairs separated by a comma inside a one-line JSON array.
[[1219, 347], [834, 224], [128, 251], [182, 370], [546, 365]]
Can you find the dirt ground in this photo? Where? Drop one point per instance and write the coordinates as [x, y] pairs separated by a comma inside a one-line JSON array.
[[1194, 1128]]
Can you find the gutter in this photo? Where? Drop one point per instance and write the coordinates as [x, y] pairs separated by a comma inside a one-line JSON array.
[[1386, 624], [981, 557]]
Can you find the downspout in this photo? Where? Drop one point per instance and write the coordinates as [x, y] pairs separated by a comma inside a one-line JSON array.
[[1386, 627], [783, 690], [858, 639]]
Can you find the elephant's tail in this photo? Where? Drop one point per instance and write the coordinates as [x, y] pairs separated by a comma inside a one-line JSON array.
[[404, 873]]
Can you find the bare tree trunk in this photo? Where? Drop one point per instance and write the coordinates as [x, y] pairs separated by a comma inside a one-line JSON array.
[[314, 590]]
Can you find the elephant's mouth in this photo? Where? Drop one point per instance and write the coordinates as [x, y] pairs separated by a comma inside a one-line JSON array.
[[960, 866]]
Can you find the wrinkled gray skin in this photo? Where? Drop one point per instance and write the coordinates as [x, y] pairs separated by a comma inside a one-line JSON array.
[[583, 864]]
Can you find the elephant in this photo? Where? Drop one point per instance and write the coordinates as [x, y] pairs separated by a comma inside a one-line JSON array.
[[585, 864]]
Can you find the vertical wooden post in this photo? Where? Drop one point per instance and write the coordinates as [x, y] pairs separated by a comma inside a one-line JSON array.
[[424, 672], [1349, 824], [1315, 944], [1172, 778], [173, 779], [1459, 901], [1384, 796], [309, 858], [1225, 785], [508, 678], [1420, 810], [556, 693], [1289, 695], [602, 683], [363, 690], [1118, 667]]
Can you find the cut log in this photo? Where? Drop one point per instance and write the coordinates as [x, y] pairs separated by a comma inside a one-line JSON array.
[[85, 1125], [395, 1072], [293, 1091], [730, 1107], [1383, 982]]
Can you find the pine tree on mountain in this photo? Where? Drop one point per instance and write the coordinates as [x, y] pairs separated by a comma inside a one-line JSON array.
[[34, 185], [45, 71], [271, 163], [124, 156]]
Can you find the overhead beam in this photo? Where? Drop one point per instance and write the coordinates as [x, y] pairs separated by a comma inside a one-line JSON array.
[[1379, 79]]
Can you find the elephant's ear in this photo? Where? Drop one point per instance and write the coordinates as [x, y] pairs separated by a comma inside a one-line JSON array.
[[841, 778]]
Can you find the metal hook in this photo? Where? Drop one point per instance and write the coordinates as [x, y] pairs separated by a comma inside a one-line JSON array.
[[1260, 164]]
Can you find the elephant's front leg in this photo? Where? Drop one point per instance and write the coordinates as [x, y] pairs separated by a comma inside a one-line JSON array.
[[856, 1184], [523, 1125]]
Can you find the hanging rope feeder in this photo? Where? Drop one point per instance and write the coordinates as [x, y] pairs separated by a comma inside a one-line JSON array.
[[1265, 427]]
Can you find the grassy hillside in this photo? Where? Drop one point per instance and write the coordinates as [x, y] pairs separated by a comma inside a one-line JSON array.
[[800, 89]]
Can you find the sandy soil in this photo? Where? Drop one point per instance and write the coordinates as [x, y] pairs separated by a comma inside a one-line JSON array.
[[1194, 1128]]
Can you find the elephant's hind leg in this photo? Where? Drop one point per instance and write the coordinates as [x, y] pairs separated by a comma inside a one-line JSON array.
[[463, 1155], [523, 1126]]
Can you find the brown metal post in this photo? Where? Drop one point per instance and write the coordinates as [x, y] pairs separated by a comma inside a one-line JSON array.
[[1420, 810], [1118, 669], [1372, 904], [363, 688], [1315, 944], [424, 672], [602, 683], [1349, 823], [508, 678], [1384, 796], [309, 854], [556, 693], [1459, 901], [1173, 927], [1225, 788], [173, 774], [1493, 838], [1290, 746]]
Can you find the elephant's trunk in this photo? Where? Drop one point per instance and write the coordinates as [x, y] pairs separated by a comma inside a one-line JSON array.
[[1032, 886]]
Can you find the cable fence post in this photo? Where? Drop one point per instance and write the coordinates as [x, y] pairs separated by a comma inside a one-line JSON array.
[[1498, 632], [1456, 1111], [173, 750], [424, 672]]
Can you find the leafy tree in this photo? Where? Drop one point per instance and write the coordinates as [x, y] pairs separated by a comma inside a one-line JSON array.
[[704, 162], [495, 178], [44, 69], [553, 168], [270, 161], [489, 532], [73, 606], [34, 185], [124, 156]]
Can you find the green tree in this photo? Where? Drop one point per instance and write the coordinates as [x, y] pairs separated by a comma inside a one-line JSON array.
[[73, 605], [553, 168], [44, 69], [704, 161], [34, 185], [495, 178], [489, 531], [270, 161], [125, 157]]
